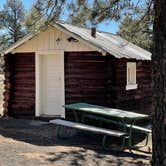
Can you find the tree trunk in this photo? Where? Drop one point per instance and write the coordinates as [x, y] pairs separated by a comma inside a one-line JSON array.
[[159, 84]]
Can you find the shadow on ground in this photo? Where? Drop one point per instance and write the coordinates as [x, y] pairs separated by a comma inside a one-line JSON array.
[[89, 149], [81, 157]]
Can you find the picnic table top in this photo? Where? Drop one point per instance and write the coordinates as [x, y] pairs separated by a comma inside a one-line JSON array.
[[117, 113]]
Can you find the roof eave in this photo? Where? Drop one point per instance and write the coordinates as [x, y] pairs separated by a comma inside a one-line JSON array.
[[57, 25], [19, 42], [76, 36]]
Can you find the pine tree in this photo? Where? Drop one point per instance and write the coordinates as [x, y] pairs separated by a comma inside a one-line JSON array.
[[11, 20], [88, 13], [34, 20], [139, 33], [159, 84], [43, 13], [79, 13]]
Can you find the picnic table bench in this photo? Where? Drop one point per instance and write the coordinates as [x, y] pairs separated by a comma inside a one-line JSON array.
[[122, 118], [125, 119], [80, 126], [143, 129]]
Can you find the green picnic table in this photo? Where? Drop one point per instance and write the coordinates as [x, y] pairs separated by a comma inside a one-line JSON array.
[[84, 107], [122, 118]]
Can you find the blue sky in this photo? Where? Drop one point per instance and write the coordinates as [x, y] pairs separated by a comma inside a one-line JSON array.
[[27, 3], [110, 26]]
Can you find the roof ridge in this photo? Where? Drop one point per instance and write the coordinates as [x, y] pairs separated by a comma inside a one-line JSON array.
[[88, 28]]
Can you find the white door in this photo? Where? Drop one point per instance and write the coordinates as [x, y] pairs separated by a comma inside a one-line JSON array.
[[52, 85]]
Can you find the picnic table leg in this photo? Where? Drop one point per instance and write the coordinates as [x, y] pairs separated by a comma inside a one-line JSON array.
[[100, 123], [108, 147], [123, 124], [130, 135], [147, 139], [58, 128], [130, 138], [143, 145], [104, 142], [75, 115], [83, 117]]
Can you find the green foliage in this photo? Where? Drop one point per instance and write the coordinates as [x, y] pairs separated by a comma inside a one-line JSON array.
[[3, 42], [136, 19], [88, 13], [11, 20], [44, 12], [51, 9], [34, 20], [79, 13], [137, 32], [11, 25]]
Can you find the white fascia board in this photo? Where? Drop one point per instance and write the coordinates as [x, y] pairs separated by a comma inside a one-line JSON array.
[[20, 42], [86, 42]]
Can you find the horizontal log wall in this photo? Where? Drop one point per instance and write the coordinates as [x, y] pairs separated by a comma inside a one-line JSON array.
[[137, 100], [101, 80], [7, 83], [89, 77], [85, 78], [22, 81]]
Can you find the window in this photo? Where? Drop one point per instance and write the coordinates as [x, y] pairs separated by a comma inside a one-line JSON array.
[[131, 76]]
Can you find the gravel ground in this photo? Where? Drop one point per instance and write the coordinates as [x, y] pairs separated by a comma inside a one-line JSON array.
[[33, 143]]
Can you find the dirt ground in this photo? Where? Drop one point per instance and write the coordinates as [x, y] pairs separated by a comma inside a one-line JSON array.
[[33, 143]]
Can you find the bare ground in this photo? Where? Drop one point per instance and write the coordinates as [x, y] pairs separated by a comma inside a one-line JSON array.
[[33, 143]]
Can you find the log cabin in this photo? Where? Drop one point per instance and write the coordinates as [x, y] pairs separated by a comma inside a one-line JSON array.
[[63, 64]]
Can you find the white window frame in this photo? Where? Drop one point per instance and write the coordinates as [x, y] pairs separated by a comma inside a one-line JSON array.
[[131, 84]]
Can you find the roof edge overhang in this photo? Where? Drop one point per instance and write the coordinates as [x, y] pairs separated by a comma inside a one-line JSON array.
[[57, 25], [18, 43], [78, 37]]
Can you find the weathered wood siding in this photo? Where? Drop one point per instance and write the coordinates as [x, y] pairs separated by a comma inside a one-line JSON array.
[[96, 79], [89, 77], [85, 78], [22, 83], [7, 83], [137, 100]]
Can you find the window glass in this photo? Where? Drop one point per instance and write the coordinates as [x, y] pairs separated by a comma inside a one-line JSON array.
[[131, 76], [131, 73]]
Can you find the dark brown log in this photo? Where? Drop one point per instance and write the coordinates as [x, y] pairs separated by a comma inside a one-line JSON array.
[[19, 84], [104, 83], [85, 77], [89, 77]]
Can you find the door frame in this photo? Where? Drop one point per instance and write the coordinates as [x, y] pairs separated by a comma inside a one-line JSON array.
[[37, 78]]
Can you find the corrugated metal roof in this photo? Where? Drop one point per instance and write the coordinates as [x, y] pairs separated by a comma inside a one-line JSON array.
[[110, 43], [103, 41]]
